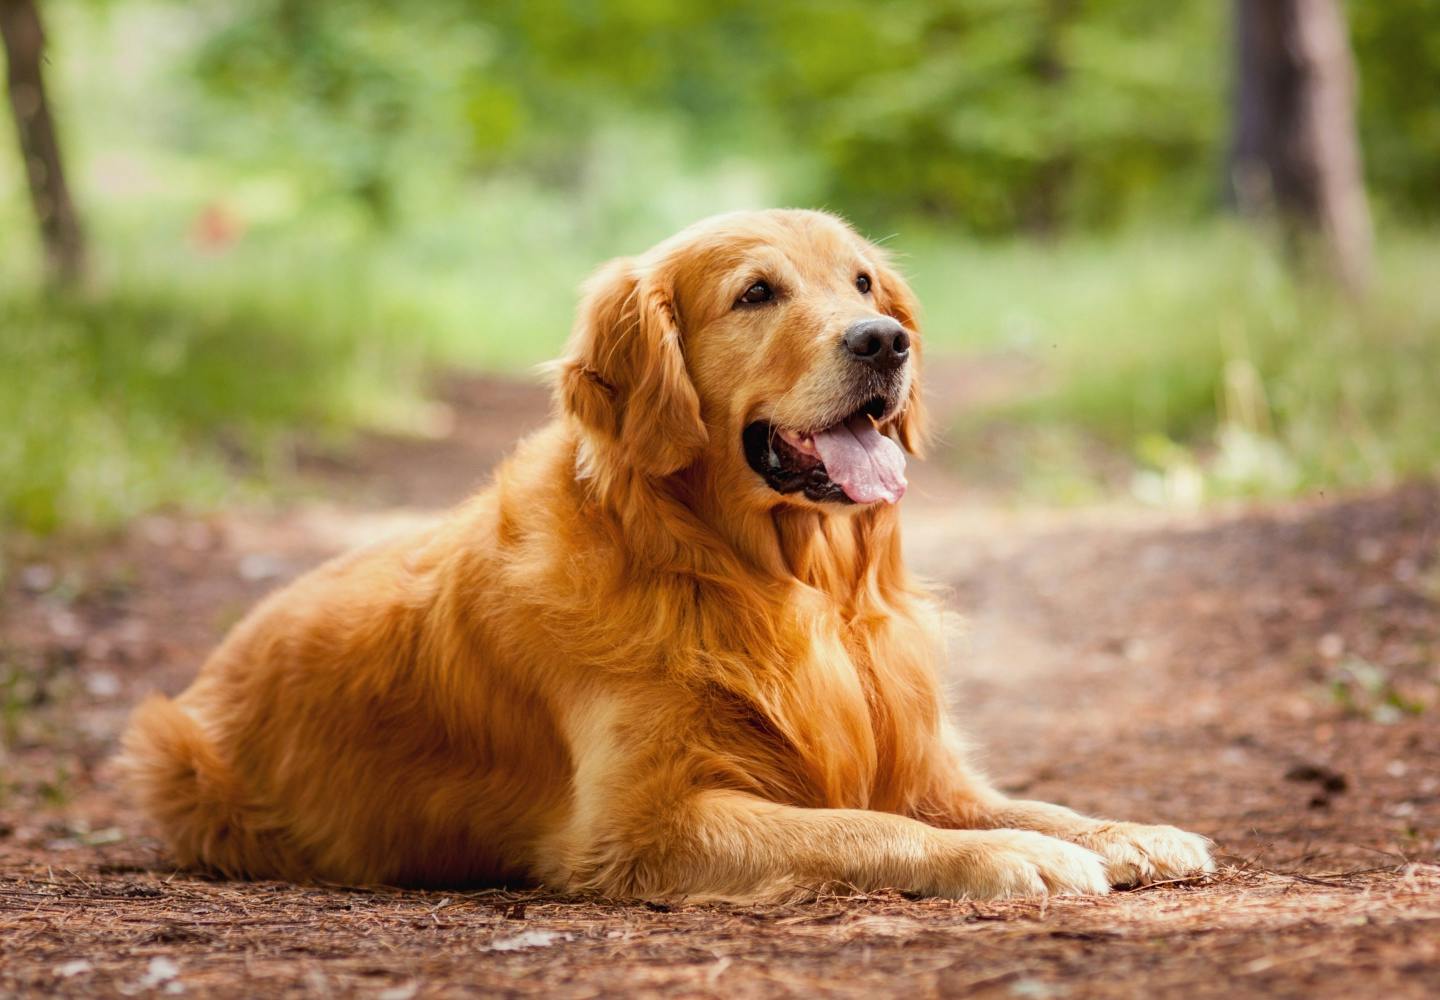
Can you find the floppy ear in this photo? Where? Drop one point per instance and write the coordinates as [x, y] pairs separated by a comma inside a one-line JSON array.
[[894, 299], [623, 376]]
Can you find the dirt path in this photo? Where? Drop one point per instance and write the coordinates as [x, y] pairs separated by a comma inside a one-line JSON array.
[[1269, 677]]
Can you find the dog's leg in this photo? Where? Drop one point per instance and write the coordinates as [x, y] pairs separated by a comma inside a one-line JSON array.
[[731, 845], [1134, 853]]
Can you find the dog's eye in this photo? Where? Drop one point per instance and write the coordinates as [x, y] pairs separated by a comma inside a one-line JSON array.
[[757, 293], [863, 283]]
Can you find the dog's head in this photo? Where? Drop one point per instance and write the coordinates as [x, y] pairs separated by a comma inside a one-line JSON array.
[[779, 348]]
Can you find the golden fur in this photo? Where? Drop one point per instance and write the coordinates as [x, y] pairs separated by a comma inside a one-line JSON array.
[[628, 666]]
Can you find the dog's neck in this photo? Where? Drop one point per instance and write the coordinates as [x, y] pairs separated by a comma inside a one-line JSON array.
[[840, 554], [688, 523]]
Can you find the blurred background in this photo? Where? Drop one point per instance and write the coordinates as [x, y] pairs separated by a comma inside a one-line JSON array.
[[1175, 251], [274, 279]]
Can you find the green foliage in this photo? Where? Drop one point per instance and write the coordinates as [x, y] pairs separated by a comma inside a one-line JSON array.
[[994, 115], [353, 96], [1038, 115], [1398, 48]]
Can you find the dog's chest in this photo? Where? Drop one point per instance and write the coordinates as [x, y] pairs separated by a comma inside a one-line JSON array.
[[860, 713]]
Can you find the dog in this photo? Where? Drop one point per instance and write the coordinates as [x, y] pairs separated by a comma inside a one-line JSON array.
[[671, 652]]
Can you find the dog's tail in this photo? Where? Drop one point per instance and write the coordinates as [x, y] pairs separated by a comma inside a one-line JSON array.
[[186, 787]]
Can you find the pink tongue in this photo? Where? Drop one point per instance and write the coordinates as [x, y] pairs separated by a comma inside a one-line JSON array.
[[864, 463]]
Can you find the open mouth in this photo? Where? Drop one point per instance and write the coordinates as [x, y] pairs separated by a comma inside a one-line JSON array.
[[849, 461]]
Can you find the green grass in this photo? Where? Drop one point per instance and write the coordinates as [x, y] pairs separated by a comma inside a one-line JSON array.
[[142, 395], [1204, 358]]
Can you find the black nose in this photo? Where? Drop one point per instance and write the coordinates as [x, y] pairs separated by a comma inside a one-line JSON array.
[[881, 343]]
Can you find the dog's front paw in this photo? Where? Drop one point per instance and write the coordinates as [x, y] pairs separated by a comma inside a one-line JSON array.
[[1137, 854], [1000, 864]]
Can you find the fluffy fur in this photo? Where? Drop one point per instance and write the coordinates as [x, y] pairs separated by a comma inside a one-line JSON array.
[[629, 666]]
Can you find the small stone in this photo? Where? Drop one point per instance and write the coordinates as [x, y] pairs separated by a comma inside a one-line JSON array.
[[38, 577], [528, 939], [65, 624], [160, 972], [160, 531], [102, 684], [260, 566], [197, 537]]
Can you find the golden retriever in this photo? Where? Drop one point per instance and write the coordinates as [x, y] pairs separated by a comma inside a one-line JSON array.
[[672, 651]]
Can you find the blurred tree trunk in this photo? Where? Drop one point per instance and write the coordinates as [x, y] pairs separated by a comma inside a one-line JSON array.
[[24, 40], [1295, 149]]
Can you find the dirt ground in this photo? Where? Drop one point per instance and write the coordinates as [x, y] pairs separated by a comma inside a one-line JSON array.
[[1269, 676]]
